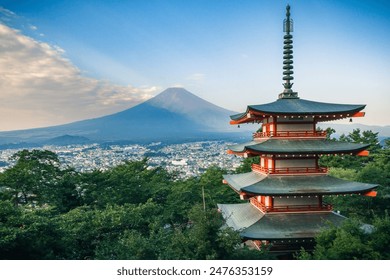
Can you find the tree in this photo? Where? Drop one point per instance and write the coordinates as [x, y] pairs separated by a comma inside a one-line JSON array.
[[352, 240], [329, 131], [215, 191], [246, 165], [380, 237], [353, 162], [130, 182], [88, 233], [130, 245], [26, 234], [37, 179]]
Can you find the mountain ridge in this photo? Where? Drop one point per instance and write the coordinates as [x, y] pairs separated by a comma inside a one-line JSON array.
[[174, 113]]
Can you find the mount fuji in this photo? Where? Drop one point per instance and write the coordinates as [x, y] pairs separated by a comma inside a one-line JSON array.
[[174, 114]]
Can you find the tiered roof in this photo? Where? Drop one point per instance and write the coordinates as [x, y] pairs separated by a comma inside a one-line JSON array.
[[297, 146], [255, 225], [262, 184], [268, 216], [297, 107]]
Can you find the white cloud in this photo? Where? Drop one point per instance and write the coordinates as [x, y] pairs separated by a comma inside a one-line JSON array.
[[40, 87], [6, 14]]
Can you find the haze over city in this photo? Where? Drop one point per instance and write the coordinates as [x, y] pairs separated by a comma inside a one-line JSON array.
[[63, 61]]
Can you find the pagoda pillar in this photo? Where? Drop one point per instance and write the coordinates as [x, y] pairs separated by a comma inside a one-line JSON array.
[[320, 200], [269, 202], [275, 125]]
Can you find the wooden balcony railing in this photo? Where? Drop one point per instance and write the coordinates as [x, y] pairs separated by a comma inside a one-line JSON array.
[[317, 134], [290, 208], [289, 170]]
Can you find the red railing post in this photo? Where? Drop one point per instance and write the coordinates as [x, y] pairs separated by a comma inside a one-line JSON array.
[[304, 133]]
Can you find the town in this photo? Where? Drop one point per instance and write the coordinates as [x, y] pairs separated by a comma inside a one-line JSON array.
[[185, 159]]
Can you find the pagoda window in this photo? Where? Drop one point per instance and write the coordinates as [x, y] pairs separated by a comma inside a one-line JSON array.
[[300, 164], [283, 128], [295, 127], [297, 201], [285, 163]]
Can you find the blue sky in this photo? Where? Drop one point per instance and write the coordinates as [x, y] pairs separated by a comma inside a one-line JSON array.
[[72, 60]]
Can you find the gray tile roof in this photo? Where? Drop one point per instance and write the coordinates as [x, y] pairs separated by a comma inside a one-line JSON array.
[[292, 225], [298, 146], [261, 184], [298, 106], [253, 224], [240, 216]]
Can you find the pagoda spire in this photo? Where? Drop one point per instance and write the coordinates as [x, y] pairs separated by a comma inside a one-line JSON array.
[[287, 56]]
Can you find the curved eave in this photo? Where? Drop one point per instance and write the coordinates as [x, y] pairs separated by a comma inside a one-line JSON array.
[[254, 225], [254, 183], [291, 226], [240, 216], [239, 181], [297, 146], [298, 107]]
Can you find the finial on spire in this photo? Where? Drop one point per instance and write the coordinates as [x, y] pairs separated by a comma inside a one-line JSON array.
[[287, 56]]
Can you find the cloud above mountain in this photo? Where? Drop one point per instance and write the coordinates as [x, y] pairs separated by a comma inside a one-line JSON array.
[[39, 86]]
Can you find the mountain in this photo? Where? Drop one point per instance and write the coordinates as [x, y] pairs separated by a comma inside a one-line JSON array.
[[173, 114], [383, 131], [67, 140]]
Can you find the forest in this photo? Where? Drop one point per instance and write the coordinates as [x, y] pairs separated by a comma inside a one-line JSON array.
[[132, 211]]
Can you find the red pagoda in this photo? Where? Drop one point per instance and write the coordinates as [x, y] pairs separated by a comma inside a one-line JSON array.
[[285, 190]]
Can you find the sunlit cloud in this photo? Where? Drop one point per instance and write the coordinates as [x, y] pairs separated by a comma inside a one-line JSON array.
[[39, 86]]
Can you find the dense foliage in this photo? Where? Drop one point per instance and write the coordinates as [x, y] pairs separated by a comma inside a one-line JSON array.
[[128, 212], [132, 211], [366, 235]]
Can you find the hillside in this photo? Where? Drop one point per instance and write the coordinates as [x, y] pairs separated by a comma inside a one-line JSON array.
[[173, 114]]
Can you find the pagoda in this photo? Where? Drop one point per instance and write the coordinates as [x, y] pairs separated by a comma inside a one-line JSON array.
[[285, 190]]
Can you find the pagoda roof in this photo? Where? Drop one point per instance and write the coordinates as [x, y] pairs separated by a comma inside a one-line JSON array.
[[240, 215], [262, 184], [297, 146], [299, 107], [276, 226]]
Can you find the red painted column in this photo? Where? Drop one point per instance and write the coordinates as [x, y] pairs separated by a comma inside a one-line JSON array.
[[273, 163], [275, 125]]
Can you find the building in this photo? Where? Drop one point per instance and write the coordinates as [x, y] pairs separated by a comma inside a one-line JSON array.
[[285, 190]]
